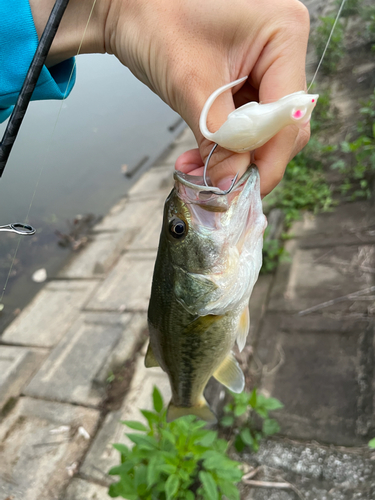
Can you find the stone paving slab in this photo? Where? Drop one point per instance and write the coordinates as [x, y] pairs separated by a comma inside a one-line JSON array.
[[36, 453], [70, 371], [319, 472], [182, 143], [258, 303], [17, 364], [317, 375], [149, 234], [352, 223], [79, 489], [133, 331], [128, 286], [101, 456], [50, 314], [318, 275], [98, 256], [128, 215], [156, 182]]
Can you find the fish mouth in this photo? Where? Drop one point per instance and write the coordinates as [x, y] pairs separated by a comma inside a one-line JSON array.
[[212, 211], [193, 190]]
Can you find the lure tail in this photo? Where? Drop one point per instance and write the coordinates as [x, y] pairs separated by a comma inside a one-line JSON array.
[[206, 108]]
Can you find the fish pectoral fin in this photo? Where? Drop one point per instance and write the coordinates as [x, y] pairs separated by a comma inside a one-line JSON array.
[[230, 374], [150, 360], [201, 411], [243, 328], [191, 289]]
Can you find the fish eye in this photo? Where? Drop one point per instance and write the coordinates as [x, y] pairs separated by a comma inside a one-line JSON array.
[[177, 228]]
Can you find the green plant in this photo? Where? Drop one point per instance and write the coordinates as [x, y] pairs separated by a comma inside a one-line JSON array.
[[350, 8], [304, 185], [335, 50], [358, 164], [178, 460], [372, 443], [241, 413], [368, 16], [324, 114], [273, 253]]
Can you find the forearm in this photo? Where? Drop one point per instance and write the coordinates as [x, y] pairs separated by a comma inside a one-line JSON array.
[[70, 33]]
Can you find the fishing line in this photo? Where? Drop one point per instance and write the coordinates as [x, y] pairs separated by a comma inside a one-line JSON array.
[[324, 51], [49, 141], [327, 44]]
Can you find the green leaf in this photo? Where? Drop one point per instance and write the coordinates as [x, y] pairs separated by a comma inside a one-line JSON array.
[[121, 469], [253, 398], [213, 460], [227, 421], [208, 439], [168, 436], [140, 476], [133, 424], [229, 490], [246, 437], [153, 471], [240, 410], [144, 442], [150, 416], [171, 486], [209, 485], [238, 443], [124, 450], [272, 404], [123, 488], [372, 443], [270, 426], [158, 400], [189, 495]]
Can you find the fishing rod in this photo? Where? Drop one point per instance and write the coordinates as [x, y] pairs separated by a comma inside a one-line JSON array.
[[23, 100]]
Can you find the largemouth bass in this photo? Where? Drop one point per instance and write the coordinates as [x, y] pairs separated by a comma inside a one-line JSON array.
[[209, 257]]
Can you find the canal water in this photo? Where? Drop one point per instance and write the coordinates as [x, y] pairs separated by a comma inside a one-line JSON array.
[[69, 159]]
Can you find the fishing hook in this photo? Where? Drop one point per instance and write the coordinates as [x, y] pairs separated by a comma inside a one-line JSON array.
[[18, 228], [214, 189]]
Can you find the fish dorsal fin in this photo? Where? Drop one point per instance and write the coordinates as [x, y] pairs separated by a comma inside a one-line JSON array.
[[230, 374], [243, 328], [150, 360]]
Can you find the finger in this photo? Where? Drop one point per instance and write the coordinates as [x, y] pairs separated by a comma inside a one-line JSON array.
[[190, 162], [279, 74]]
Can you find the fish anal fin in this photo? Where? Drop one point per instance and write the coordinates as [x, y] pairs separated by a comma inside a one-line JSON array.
[[150, 360], [243, 328], [201, 411], [230, 374]]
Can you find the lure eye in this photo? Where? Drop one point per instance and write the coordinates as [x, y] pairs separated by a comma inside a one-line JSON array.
[[298, 113], [177, 228]]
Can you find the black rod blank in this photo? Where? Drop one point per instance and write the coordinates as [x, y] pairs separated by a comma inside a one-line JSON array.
[[30, 82]]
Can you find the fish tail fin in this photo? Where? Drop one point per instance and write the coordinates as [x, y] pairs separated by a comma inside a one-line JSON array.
[[201, 411]]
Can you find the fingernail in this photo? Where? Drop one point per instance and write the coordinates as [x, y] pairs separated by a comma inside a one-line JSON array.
[[225, 183]]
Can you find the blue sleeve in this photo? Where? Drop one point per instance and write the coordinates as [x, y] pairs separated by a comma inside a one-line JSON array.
[[18, 43]]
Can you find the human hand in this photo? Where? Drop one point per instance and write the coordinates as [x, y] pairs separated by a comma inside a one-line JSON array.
[[185, 50]]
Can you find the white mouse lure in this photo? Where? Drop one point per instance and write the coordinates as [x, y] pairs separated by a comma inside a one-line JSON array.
[[253, 124]]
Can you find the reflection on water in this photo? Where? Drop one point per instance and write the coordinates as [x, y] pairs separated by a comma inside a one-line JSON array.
[[69, 159]]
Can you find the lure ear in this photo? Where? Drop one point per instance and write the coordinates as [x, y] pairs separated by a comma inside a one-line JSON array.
[[298, 113]]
